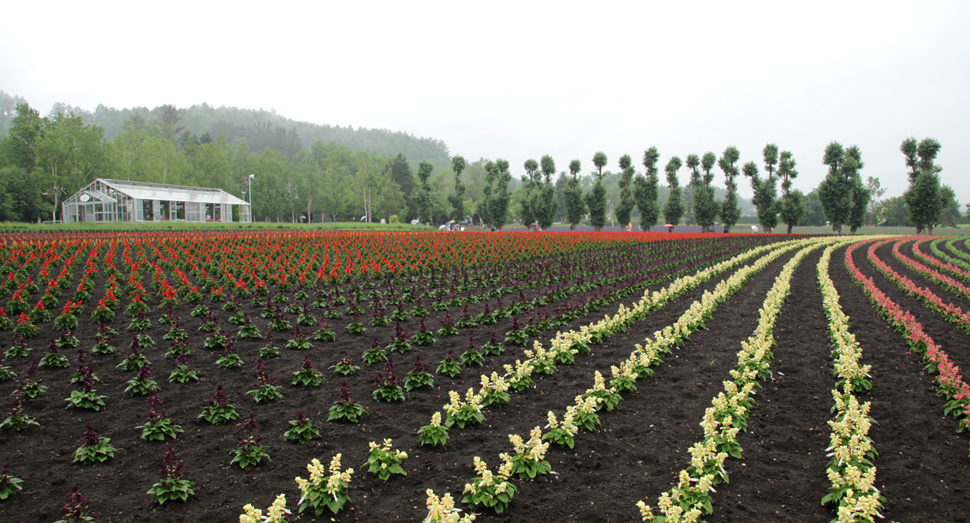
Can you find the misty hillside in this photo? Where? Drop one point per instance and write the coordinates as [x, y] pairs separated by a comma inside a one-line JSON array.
[[259, 128]]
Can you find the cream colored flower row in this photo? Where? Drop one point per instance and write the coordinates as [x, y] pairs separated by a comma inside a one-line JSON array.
[[523, 370], [442, 509], [690, 499], [663, 341], [851, 473]]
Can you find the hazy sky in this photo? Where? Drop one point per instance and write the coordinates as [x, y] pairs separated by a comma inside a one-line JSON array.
[[518, 80]]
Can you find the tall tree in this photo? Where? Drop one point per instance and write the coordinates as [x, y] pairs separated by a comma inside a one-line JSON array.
[[404, 178], [69, 155], [645, 190], [765, 194], [457, 199], [499, 205], [693, 163], [842, 190], [172, 116], [674, 208], [423, 193], [546, 204], [596, 198], [923, 199], [26, 130], [527, 194], [575, 207], [625, 207], [730, 211], [792, 205], [484, 207], [860, 204], [705, 206]]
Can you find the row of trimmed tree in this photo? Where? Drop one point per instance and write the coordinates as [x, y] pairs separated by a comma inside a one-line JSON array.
[[844, 197]]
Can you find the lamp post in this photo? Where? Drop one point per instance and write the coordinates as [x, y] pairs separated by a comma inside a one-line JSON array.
[[251, 176]]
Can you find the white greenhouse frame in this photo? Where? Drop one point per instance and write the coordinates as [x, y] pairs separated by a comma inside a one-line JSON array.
[[106, 201]]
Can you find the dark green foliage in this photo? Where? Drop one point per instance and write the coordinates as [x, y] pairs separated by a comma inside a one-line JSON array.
[[645, 190], [546, 203], [814, 214], [401, 175], [529, 192], [457, 200], [674, 208], [923, 198], [894, 213], [792, 205], [730, 211], [596, 203], [764, 197], [596, 198], [625, 207], [842, 189], [706, 207], [422, 194], [575, 207], [494, 206], [951, 207]]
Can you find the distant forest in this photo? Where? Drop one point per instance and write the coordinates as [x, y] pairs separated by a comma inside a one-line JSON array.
[[259, 128], [300, 171]]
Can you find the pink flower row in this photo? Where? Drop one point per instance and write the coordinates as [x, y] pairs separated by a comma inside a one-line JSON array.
[[932, 274], [949, 382], [950, 312], [933, 260]]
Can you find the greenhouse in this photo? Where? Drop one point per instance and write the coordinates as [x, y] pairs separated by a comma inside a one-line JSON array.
[[105, 201]]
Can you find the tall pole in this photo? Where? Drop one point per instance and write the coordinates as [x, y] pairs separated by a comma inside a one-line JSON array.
[[251, 219]]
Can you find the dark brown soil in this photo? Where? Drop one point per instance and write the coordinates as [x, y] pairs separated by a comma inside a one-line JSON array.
[[922, 463]]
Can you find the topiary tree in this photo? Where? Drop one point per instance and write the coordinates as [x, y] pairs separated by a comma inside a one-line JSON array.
[[674, 208], [596, 198], [765, 194], [645, 190], [840, 192], [792, 206], [575, 207], [457, 200], [730, 211], [546, 203], [923, 199], [423, 195], [625, 207], [528, 193]]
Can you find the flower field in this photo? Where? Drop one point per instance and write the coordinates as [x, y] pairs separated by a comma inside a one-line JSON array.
[[515, 376]]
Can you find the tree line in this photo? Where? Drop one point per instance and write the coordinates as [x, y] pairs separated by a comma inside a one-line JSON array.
[[43, 160]]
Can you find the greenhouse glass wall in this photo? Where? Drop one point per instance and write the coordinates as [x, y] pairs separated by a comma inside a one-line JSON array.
[[105, 201]]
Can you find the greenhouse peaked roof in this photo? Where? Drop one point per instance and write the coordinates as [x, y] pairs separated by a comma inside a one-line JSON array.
[[180, 193]]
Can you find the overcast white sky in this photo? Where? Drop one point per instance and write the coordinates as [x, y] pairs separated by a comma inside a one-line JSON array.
[[518, 80]]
